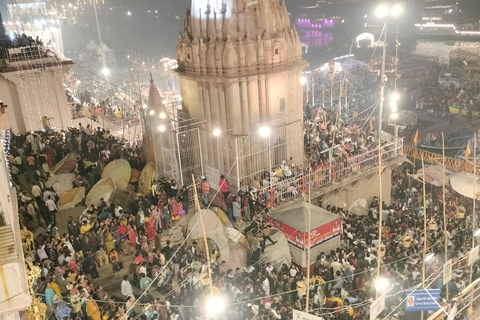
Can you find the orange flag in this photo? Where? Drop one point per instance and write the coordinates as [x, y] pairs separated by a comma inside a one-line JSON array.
[[416, 138], [467, 151]]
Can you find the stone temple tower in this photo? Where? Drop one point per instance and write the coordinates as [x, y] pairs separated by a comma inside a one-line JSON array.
[[239, 66]]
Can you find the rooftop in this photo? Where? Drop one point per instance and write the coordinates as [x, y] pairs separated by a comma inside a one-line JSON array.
[[296, 216], [31, 57]]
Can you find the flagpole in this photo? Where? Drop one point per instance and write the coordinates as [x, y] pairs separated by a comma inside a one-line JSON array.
[[444, 208], [415, 140]]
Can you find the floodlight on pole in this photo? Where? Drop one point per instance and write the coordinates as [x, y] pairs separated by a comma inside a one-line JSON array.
[[396, 10], [162, 115], [105, 72], [429, 257], [381, 284], [395, 97], [161, 128], [381, 11], [394, 116], [215, 305], [264, 131], [217, 132]]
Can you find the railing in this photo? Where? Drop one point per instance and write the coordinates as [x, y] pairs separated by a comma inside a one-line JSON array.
[[32, 53], [430, 157], [340, 169]]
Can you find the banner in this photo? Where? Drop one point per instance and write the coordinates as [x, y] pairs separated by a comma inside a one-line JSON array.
[[473, 256], [422, 300], [447, 271], [377, 307], [294, 237], [299, 315]]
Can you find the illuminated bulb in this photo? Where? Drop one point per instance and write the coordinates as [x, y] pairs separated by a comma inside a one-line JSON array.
[[396, 10], [145, 106], [161, 128], [215, 305], [152, 112], [264, 131], [394, 116], [163, 115], [394, 96], [217, 132], [303, 80], [381, 11], [105, 71]]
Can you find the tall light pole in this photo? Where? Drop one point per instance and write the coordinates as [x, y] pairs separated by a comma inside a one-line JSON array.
[[384, 12], [105, 70]]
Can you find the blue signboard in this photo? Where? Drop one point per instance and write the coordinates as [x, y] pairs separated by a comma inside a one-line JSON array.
[[422, 300]]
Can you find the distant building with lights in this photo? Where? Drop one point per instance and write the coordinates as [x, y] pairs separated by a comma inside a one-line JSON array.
[[31, 85]]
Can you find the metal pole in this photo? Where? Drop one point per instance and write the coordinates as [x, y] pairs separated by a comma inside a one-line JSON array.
[[309, 212], [200, 212], [180, 160], [104, 62], [201, 154], [474, 224], [323, 96], [313, 93], [444, 208], [236, 163], [396, 61], [331, 90], [380, 209], [218, 154], [306, 86], [346, 96], [270, 161], [424, 230], [382, 84]]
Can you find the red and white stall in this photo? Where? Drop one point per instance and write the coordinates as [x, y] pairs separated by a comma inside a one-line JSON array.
[[325, 232]]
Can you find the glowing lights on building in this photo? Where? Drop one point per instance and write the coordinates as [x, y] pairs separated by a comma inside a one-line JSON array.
[[447, 26]]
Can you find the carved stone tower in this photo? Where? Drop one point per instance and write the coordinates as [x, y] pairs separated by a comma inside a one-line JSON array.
[[239, 65]]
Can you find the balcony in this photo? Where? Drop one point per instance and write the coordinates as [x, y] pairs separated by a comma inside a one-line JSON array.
[[32, 57]]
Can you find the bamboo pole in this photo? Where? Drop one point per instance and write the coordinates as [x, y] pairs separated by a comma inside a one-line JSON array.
[[200, 212], [380, 209], [444, 207]]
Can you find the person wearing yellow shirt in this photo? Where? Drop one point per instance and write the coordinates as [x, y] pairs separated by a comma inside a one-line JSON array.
[[279, 173], [85, 228], [56, 289], [92, 310]]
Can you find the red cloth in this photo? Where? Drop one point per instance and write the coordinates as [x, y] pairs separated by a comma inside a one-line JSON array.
[[150, 228]]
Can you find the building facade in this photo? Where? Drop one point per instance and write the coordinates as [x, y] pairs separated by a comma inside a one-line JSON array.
[[239, 68]]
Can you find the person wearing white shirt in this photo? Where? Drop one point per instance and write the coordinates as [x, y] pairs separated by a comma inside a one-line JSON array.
[[36, 191], [126, 287], [47, 194], [52, 208], [269, 268], [293, 271], [266, 286], [41, 252], [117, 211]]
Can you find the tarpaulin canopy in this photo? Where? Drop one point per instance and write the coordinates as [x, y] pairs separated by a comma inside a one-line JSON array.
[[119, 171], [279, 253], [102, 189], [67, 164], [465, 184], [359, 207], [61, 182], [71, 198], [149, 173], [433, 175]]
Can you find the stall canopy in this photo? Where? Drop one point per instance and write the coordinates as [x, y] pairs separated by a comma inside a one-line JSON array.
[[102, 189], [293, 223], [465, 184], [433, 175], [279, 253]]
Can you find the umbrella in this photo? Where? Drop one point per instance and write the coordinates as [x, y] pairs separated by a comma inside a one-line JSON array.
[[359, 207], [434, 175], [464, 184]]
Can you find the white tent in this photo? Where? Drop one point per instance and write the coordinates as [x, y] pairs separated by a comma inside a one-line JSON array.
[[465, 184], [279, 253]]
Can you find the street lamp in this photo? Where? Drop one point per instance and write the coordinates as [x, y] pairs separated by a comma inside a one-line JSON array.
[[381, 284], [265, 132], [215, 305]]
